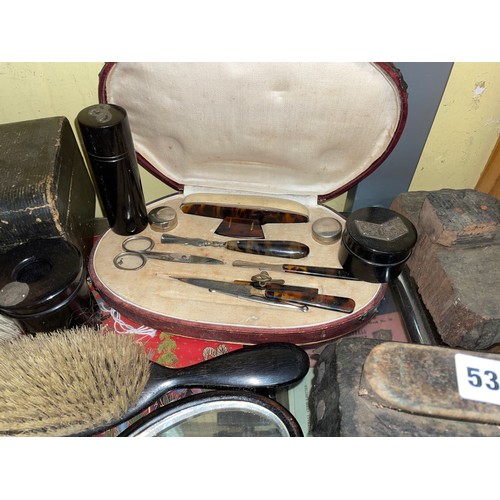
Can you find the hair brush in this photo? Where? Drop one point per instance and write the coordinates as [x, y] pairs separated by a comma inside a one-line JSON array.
[[80, 382]]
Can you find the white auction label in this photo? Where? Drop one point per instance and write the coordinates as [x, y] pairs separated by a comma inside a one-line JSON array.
[[478, 378]]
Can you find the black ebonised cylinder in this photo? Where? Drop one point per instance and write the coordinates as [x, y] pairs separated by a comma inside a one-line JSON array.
[[108, 143]]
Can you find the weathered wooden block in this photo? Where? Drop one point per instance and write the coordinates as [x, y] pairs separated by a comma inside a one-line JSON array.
[[465, 217], [455, 262], [406, 390], [46, 190]]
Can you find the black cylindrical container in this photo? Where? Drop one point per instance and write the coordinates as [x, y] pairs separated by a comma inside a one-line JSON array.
[[43, 286], [376, 243], [107, 140]]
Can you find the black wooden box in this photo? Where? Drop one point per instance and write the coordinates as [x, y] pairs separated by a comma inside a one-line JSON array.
[[46, 190]]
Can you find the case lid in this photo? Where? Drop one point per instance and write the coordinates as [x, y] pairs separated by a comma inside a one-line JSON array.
[[289, 129]]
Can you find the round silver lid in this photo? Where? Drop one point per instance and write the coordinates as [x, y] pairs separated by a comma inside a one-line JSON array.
[[326, 230], [162, 219]]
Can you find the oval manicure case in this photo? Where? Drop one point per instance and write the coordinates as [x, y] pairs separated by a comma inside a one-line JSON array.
[[283, 137]]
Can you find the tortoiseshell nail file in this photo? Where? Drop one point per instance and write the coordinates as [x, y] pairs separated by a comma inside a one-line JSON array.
[[323, 272]]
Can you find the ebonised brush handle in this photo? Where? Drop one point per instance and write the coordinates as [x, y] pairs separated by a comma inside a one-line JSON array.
[[263, 365], [259, 366]]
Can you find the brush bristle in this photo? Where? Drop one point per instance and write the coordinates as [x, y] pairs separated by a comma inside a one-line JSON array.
[[68, 382], [9, 329]]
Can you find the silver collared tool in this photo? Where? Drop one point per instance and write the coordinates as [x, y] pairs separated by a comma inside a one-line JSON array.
[[274, 248]]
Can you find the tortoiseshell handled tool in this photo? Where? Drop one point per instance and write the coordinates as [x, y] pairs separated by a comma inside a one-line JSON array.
[[322, 272], [264, 280], [242, 222], [330, 302], [274, 296], [272, 248]]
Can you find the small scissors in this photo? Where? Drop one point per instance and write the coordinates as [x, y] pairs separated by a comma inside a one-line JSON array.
[[137, 250]]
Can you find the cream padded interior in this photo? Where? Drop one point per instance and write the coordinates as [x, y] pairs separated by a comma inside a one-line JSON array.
[[287, 129], [152, 290]]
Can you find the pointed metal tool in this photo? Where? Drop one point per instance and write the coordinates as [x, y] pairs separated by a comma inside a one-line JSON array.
[[275, 294]]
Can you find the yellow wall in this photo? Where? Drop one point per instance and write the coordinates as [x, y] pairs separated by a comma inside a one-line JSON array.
[[463, 134], [38, 90], [464, 131]]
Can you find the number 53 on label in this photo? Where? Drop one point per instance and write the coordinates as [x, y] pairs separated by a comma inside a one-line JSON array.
[[478, 378]]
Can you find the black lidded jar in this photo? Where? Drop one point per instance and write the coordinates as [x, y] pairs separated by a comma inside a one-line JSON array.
[[376, 243], [43, 286], [107, 140]]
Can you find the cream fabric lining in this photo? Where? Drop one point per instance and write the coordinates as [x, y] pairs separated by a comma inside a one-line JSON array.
[[292, 129], [151, 289]]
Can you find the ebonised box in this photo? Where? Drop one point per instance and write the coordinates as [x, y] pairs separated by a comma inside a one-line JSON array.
[[46, 190]]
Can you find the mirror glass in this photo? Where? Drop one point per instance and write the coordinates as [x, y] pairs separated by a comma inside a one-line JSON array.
[[218, 419]]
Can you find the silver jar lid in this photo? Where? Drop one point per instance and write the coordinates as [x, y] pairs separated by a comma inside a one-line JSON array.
[[326, 230], [162, 219]]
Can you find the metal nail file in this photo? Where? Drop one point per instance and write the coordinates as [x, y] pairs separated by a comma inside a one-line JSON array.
[[323, 272], [274, 295], [272, 248]]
